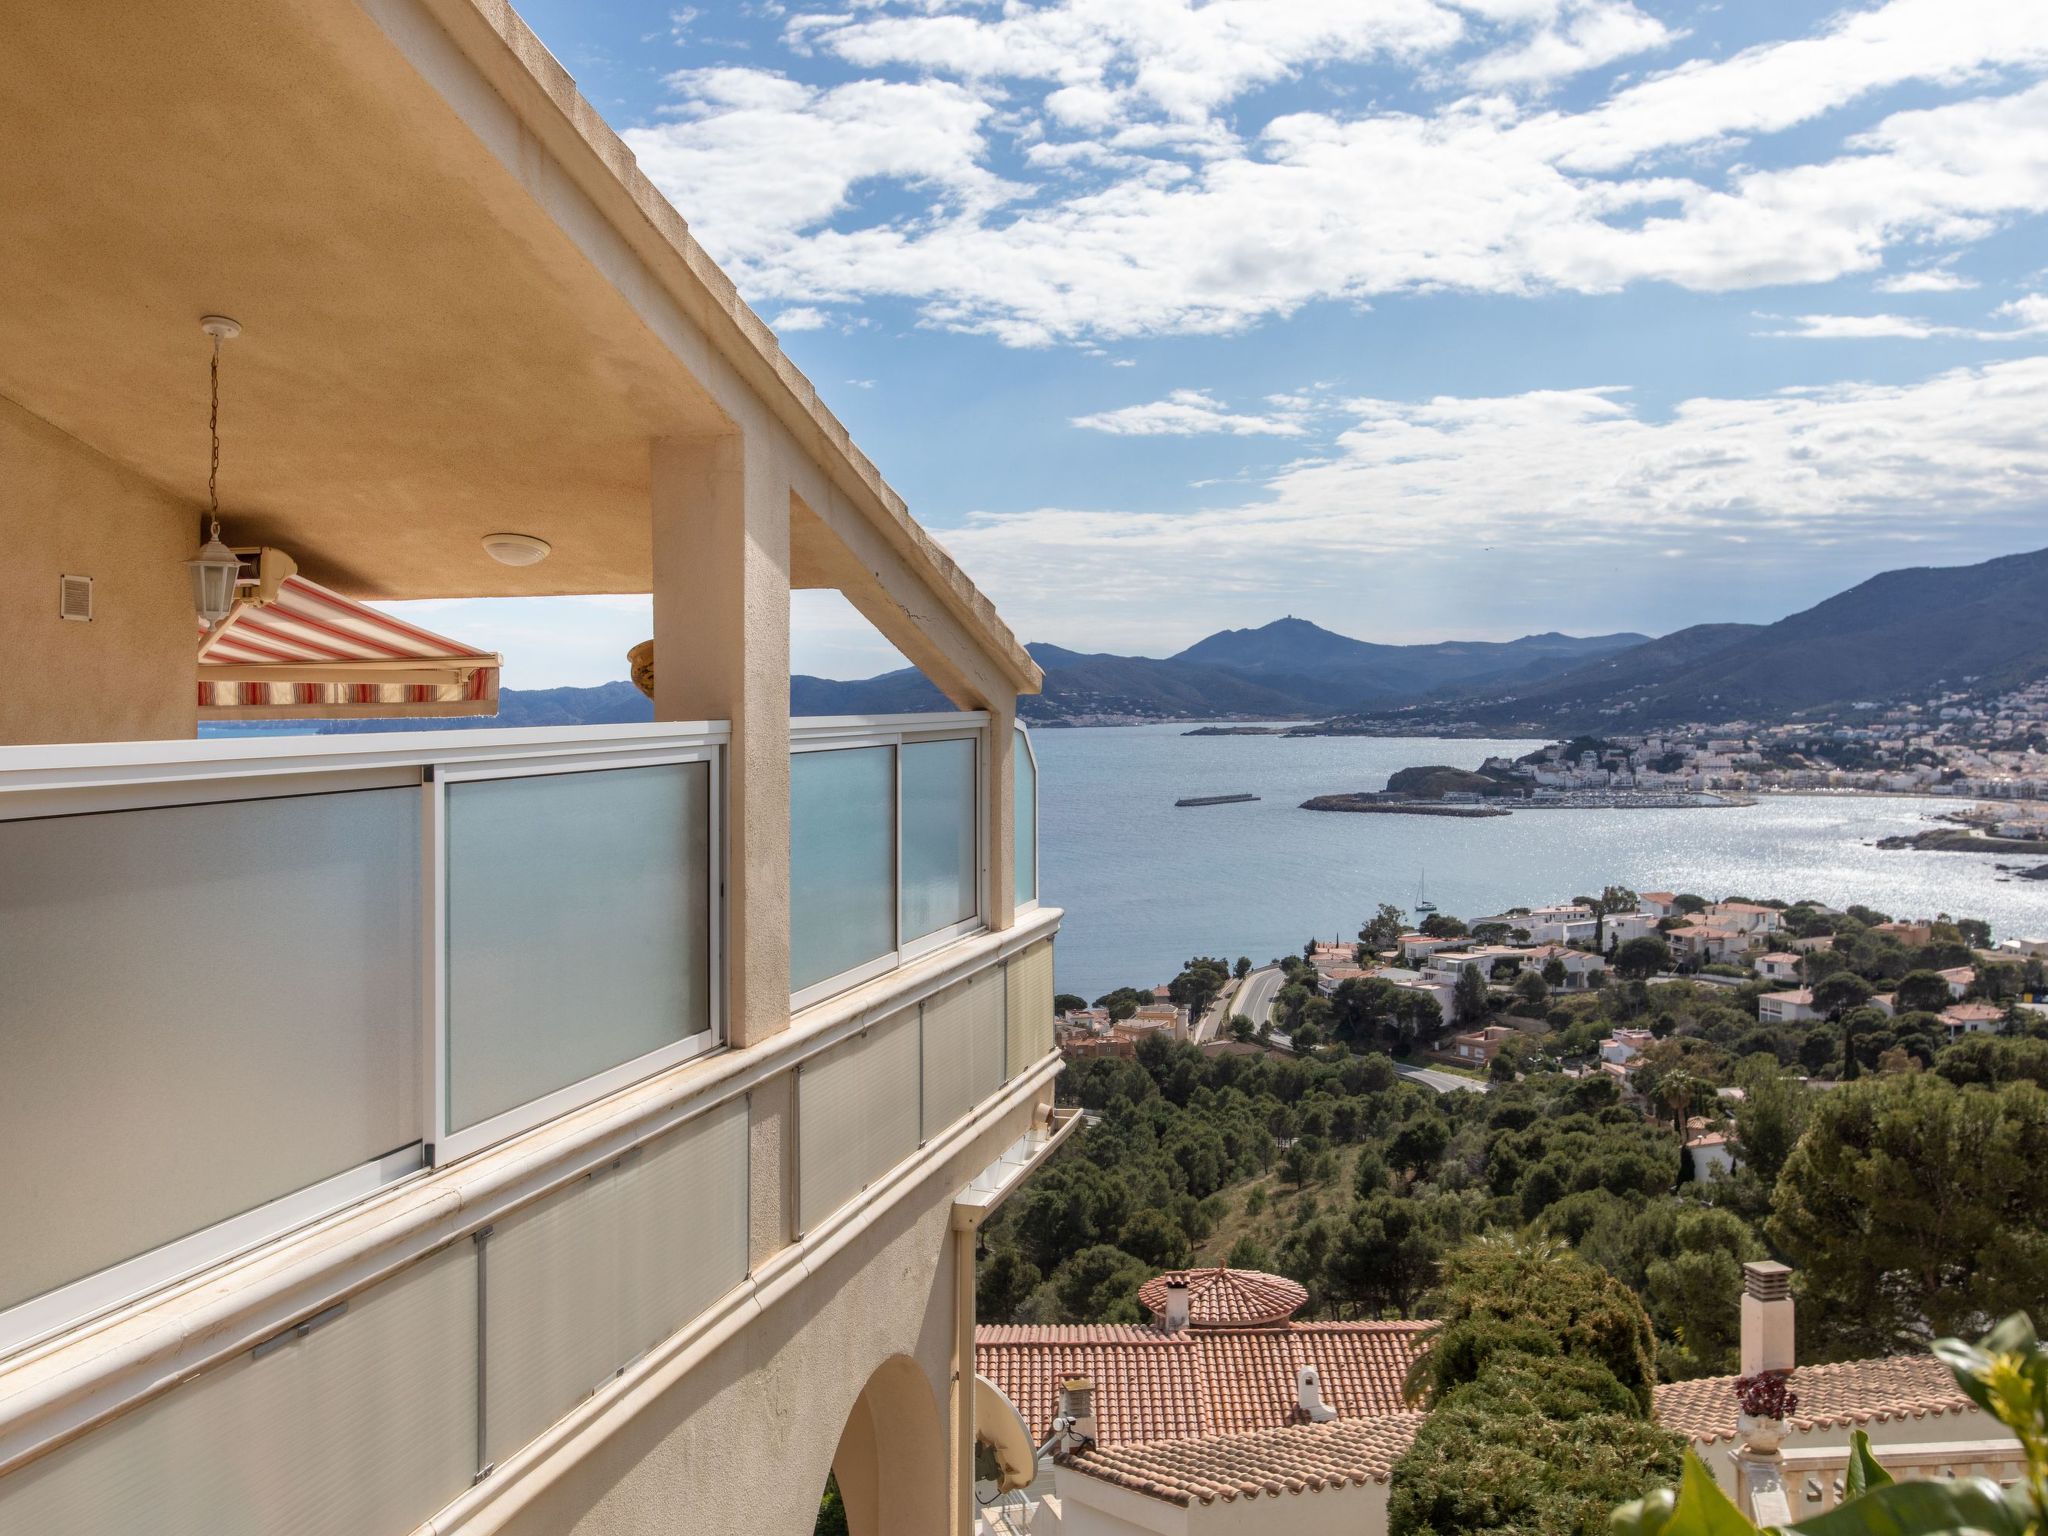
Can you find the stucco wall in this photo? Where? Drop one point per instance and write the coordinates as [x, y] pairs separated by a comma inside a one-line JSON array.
[[67, 511], [744, 1441]]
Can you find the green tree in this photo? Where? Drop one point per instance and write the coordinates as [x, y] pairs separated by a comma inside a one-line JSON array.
[[1384, 928], [1837, 994], [1495, 1293], [1420, 1142], [1006, 1278], [1693, 1294], [1532, 989], [1241, 1027], [1770, 1118], [1914, 1207], [1200, 982], [1386, 1254], [1441, 925], [1538, 1384], [1155, 1237], [1642, 957], [1470, 998], [1926, 991], [1100, 1285]]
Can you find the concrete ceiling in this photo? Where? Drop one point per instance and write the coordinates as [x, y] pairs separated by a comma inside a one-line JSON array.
[[426, 357]]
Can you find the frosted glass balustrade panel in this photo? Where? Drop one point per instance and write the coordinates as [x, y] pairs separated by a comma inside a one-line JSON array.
[[1026, 821], [599, 1272], [203, 1008], [857, 1114], [1029, 1005], [579, 928], [963, 1047], [939, 856], [364, 1427], [842, 861]]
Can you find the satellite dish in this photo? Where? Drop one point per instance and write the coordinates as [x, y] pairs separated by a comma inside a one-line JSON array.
[[999, 1426]]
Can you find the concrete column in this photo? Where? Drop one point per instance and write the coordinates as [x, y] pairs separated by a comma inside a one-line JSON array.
[[721, 508], [1001, 810]]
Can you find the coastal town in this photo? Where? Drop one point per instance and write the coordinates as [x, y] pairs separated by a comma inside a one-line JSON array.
[[1952, 743], [1494, 996]]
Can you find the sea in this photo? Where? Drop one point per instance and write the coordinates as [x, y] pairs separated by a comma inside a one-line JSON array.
[[1146, 884]]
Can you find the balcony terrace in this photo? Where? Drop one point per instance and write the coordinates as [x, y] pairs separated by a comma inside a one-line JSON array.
[[477, 1130]]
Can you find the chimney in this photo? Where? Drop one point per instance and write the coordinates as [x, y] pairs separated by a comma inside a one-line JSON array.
[[1766, 1318], [1308, 1394], [1176, 1304], [1076, 1421]]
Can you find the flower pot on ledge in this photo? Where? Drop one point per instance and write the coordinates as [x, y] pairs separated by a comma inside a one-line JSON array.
[[1760, 1434]]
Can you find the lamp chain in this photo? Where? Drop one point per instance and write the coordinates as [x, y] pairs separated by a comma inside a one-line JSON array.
[[213, 426]]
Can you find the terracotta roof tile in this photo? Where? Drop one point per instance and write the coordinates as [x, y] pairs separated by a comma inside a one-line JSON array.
[[1226, 1298], [1830, 1396], [1299, 1458], [1152, 1385]]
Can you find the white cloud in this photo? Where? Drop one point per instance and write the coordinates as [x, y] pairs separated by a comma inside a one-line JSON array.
[[1559, 490], [1585, 36], [1111, 60], [2028, 314], [1936, 279], [1866, 328], [1156, 215], [803, 317], [754, 157], [2031, 312], [1195, 412]]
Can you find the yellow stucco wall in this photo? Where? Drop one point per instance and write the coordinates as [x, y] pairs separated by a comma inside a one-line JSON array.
[[67, 511]]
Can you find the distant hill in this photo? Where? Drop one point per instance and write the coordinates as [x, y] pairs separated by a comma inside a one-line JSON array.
[[1289, 669], [1901, 634], [1898, 634], [1305, 661]]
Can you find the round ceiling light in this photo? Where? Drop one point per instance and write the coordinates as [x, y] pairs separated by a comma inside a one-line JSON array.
[[516, 548]]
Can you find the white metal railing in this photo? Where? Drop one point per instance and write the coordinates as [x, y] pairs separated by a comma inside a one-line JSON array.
[[252, 980], [888, 845], [1814, 1475]]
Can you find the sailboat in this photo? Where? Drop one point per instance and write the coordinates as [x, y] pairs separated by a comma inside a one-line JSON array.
[[1422, 901]]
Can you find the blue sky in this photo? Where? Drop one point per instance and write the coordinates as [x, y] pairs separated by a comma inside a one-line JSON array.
[[1418, 318]]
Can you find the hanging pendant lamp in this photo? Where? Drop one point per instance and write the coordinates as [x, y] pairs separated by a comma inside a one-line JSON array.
[[215, 568]]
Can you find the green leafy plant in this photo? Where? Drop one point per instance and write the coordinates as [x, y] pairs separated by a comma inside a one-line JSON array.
[[2005, 1374]]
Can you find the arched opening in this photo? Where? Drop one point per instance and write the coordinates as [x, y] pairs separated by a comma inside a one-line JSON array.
[[890, 1467]]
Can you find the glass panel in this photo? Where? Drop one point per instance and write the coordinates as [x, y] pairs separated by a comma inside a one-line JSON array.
[[363, 1427], [579, 928], [1027, 822], [842, 861], [601, 1271], [204, 1008], [939, 864]]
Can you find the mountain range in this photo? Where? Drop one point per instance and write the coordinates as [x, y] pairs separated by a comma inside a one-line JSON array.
[[1899, 634]]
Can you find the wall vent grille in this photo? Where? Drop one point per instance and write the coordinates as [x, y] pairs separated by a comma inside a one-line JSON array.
[[74, 598]]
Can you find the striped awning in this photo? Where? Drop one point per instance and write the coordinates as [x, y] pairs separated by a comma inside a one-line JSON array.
[[308, 652]]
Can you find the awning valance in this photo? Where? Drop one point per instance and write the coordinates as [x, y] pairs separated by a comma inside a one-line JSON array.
[[307, 652]]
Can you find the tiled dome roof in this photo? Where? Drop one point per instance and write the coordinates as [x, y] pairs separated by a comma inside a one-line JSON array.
[[1227, 1298]]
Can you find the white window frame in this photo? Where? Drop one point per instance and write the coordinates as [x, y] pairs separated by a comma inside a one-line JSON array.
[[841, 733], [99, 778], [446, 1144]]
